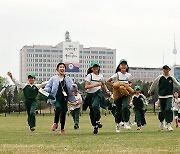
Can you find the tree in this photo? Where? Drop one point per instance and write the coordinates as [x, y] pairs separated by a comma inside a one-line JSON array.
[[15, 99]]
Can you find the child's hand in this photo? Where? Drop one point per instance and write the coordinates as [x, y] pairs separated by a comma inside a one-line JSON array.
[[98, 84], [9, 74]]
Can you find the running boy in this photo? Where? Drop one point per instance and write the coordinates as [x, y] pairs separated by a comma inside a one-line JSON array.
[[75, 107], [30, 91], [139, 102], [164, 85]]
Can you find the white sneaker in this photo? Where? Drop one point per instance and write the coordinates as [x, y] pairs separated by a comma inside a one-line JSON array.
[[162, 126], [126, 126], [118, 128], [168, 126], [121, 123]]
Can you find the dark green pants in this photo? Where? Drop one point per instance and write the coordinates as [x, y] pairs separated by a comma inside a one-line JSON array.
[[94, 106], [139, 116], [165, 110], [31, 107], [75, 114], [122, 109]]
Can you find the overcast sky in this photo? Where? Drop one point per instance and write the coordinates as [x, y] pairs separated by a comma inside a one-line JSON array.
[[140, 30]]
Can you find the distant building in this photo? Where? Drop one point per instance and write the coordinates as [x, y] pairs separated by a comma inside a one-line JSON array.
[[175, 71], [42, 60], [145, 74]]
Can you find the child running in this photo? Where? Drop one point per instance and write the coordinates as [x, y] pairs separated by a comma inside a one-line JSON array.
[[94, 98], [122, 101], [61, 87], [176, 108], [164, 85], [75, 107], [30, 91], [139, 102]]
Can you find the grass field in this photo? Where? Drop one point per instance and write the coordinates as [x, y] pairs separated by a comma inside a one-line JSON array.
[[15, 137]]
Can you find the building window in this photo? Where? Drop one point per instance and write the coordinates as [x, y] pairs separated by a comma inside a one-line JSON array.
[[86, 51], [109, 52], [30, 50], [94, 52], [40, 60], [102, 52], [38, 50], [40, 55], [46, 50], [54, 50]]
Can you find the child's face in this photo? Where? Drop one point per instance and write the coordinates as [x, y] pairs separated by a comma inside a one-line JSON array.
[[61, 69], [137, 91], [31, 80], [95, 69], [166, 71], [176, 95], [123, 66]]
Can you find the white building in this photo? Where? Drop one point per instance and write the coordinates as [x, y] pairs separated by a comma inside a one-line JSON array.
[[42, 60], [145, 74]]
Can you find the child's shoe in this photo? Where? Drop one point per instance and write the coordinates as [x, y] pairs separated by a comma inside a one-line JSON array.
[[168, 126], [95, 129], [118, 128], [54, 127], [162, 127], [32, 129], [62, 131], [126, 126], [76, 126], [139, 128]]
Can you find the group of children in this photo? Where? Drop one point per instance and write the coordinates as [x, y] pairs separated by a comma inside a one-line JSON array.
[[61, 91]]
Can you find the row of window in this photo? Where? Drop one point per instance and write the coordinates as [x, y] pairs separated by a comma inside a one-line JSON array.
[[44, 50], [42, 65], [44, 60], [97, 52], [60, 51], [96, 57], [44, 55], [101, 62]]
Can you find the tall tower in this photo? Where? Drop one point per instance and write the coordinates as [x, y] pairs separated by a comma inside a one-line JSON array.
[[174, 51], [67, 37]]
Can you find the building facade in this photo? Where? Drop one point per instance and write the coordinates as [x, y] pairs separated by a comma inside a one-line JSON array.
[[42, 60], [175, 71], [145, 74]]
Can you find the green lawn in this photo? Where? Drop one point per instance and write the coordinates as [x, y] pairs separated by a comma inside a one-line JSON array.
[[15, 137]]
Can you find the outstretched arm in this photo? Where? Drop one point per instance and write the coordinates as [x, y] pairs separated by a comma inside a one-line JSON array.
[[154, 84], [175, 82], [42, 85], [17, 83]]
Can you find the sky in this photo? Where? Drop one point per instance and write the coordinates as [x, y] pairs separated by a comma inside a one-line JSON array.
[[141, 31]]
